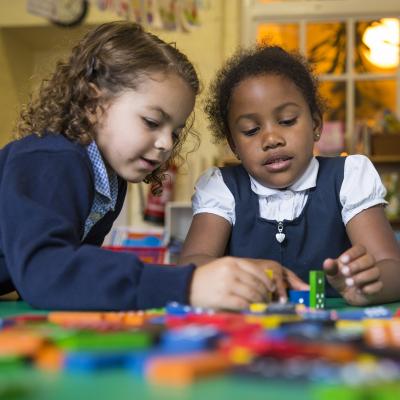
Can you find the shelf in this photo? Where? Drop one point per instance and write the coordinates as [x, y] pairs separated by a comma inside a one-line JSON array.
[[385, 159]]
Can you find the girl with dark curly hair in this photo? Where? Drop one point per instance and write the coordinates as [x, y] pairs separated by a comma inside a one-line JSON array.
[[117, 111], [281, 204]]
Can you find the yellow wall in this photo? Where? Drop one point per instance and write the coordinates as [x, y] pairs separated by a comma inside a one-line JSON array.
[[29, 46], [15, 67], [23, 37]]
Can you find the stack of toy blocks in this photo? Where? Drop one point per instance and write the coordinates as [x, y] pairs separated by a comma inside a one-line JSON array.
[[315, 297]]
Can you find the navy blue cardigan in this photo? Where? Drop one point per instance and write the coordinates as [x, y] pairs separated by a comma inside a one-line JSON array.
[[46, 193]]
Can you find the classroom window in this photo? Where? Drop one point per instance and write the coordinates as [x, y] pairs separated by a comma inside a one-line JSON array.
[[356, 57]]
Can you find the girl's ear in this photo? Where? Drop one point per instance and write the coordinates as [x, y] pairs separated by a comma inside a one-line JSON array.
[[317, 127], [92, 111]]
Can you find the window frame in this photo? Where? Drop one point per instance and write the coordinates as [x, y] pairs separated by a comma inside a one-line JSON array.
[[301, 12]]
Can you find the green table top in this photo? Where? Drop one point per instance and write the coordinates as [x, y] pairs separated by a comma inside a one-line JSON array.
[[32, 384]]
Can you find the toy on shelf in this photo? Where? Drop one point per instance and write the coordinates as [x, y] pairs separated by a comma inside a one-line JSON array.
[[148, 245]]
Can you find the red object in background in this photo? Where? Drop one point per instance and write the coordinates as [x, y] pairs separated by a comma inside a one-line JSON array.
[[155, 208]]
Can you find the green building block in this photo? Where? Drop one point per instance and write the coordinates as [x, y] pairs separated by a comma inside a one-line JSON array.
[[107, 341], [317, 289]]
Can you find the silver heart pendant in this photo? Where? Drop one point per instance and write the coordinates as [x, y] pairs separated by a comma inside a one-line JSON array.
[[280, 237]]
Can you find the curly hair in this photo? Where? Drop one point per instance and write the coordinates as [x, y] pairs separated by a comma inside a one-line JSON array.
[[113, 57], [258, 60]]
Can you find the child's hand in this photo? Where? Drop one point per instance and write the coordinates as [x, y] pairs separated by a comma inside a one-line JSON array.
[[354, 275], [283, 278], [231, 283], [235, 283]]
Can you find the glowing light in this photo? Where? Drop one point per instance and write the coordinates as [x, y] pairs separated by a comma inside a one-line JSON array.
[[382, 40]]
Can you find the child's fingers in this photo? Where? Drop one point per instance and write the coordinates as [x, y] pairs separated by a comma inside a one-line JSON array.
[[353, 253], [373, 288], [333, 275], [331, 267], [248, 293], [280, 278], [295, 282], [252, 283], [364, 278], [362, 263], [281, 290], [254, 269]]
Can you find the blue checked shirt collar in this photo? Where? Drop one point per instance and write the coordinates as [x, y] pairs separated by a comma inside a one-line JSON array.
[[106, 188], [103, 184]]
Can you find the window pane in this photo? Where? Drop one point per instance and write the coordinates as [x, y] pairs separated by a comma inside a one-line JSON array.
[[326, 47], [334, 94], [377, 46], [332, 140], [372, 97], [284, 35]]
